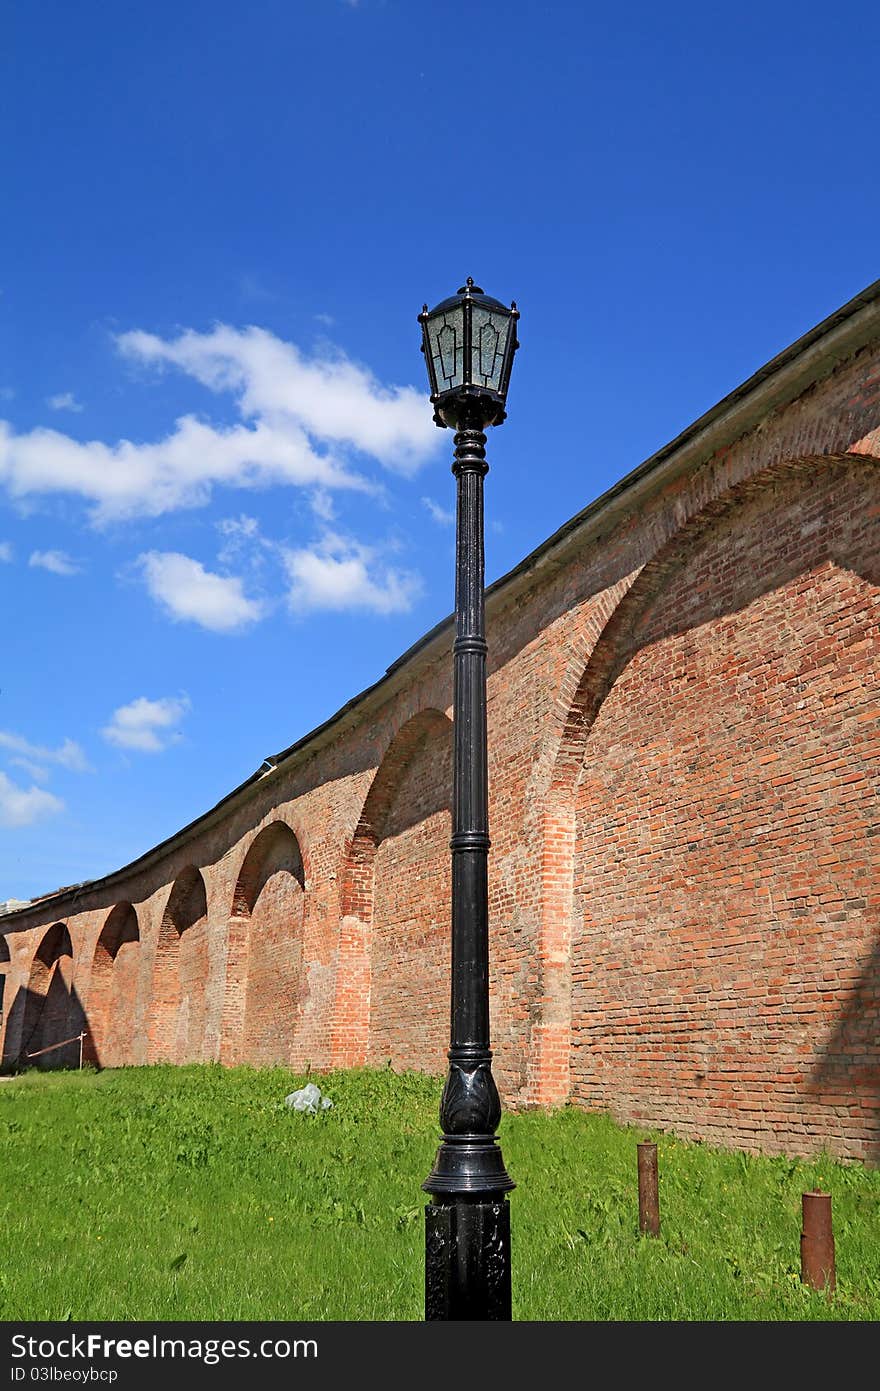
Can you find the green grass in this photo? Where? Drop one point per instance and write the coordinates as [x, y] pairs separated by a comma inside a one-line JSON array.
[[193, 1193]]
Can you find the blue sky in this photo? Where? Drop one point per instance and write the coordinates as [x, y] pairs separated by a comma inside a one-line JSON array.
[[224, 509]]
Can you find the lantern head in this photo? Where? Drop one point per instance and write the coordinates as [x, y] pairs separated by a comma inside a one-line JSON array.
[[469, 341]]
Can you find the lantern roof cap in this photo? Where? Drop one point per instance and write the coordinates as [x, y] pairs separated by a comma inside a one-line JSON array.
[[475, 295]]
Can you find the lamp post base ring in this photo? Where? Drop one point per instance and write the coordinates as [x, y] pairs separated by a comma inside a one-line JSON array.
[[468, 1166]]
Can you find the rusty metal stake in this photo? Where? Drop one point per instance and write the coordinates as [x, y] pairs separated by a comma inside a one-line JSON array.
[[817, 1242], [649, 1200]]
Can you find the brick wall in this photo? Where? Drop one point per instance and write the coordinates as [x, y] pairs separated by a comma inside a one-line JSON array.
[[683, 734], [113, 987], [269, 899], [725, 893], [180, 972], [409, 1009]]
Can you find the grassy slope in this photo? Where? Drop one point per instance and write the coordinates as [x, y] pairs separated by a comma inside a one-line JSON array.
[[175, 1193]]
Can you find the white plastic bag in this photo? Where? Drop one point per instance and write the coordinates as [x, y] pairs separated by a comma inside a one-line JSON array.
[[308, 1099]]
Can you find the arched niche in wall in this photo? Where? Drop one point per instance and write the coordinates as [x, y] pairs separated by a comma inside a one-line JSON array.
[[5, 962], [114, 982], [393, 987], [177, 1006], [264, 963], [717, 761], [5, 996], [52, 1013]]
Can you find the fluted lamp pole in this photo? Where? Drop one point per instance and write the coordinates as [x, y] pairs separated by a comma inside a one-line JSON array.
[[469, 341]]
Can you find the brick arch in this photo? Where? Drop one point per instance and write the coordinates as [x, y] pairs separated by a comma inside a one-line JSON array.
[[177, 1023], [620, 638], [614, 643], [113, 991], [50, 1013], [264, 985], [408, 801], [274, 847]]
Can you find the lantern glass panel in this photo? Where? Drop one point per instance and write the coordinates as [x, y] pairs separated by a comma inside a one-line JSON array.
[[445, 334], [489, 339]]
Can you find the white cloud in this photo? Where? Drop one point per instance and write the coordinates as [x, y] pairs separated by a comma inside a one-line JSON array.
[[322, 505], [243, 543], [330, 397], [146, 480], [33, 770], [20, 807], [300, 416], [68, 755], [340, 574], [146, 725], [5, 552], [239, 531], [444, 516], [57, 562], [189, 592], [63, 401]]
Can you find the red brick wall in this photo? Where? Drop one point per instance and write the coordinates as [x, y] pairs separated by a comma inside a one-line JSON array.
[[177, 1026], [269, 896], [410, 945], [5, 963], [114, 987], [683, 807], [50, 1016], [726, 897]]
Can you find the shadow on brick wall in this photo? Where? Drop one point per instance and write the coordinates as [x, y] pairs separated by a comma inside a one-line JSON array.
[[847, 1074], [43, 1030]]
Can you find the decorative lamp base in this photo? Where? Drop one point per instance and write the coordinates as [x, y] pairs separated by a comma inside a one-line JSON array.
[[467, 1259]]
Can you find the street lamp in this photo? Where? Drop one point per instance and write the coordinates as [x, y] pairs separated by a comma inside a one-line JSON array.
[[469, 341]]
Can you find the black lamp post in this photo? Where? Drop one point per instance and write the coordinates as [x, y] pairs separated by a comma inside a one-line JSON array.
[[469, 341]]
